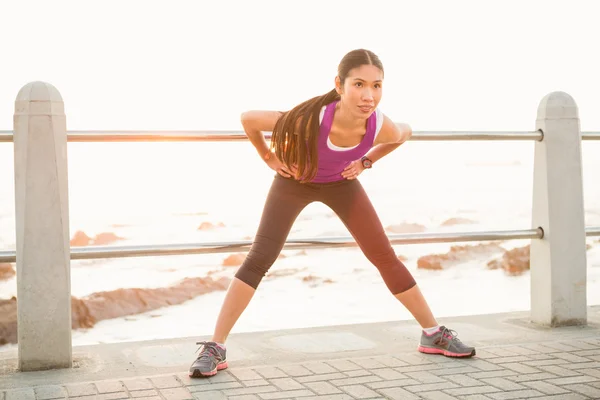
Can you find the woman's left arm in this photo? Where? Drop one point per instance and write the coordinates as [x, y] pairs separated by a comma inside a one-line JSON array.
[[390, 137]]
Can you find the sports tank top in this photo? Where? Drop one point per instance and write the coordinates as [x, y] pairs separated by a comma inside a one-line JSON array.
[[332, 162]]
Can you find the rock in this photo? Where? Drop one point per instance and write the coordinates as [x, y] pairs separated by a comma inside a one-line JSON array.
[[80, 314], [87, 311], [513, 262], [309, 278], [80, 239], [406, 228], [457, 255], [402, 258], [209, 225], [131, 301], [8, 321], [433, 261], [516, 261], [234, 260], [6, 271], [106, 238], [494, 264], [314, 281], [458, 221], [279, 273]]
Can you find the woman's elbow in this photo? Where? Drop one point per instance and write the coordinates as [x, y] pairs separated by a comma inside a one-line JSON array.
[[244, 117], [248, 119], [406, 132]]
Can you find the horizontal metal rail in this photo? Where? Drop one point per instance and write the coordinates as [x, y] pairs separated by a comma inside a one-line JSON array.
[[96, 252], [590, 135], [228, 136], [220, 136], [592, 231]]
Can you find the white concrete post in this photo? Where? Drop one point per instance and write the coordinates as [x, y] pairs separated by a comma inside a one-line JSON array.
[[558, 261], [42, 223]]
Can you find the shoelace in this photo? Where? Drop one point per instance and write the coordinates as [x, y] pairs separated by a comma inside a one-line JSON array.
[[451, 334], [208, 349]]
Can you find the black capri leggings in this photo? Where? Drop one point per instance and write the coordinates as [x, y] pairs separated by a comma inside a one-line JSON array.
[[347, 198]]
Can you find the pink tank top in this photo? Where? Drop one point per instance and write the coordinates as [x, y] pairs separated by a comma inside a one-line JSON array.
[[332, 162]]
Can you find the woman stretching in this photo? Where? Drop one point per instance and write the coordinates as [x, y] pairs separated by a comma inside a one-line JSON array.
[[318, 149]]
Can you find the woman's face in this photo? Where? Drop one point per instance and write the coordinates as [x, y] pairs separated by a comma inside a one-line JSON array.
[[362, 90]]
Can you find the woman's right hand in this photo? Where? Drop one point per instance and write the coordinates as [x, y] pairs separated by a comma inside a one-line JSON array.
[[276, 165]]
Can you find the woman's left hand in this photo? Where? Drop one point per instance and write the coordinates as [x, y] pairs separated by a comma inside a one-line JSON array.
[[353, 170]]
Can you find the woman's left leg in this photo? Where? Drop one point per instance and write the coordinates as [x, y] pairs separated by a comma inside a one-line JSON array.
[[351, 203]]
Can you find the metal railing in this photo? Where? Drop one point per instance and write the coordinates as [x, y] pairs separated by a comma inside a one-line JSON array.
[[106, 252], [95, 252], [233, 135]]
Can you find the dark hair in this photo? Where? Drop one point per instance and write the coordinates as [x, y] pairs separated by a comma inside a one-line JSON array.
[[294, 137]]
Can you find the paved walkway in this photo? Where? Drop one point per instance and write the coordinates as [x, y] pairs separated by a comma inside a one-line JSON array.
[[515, 360]]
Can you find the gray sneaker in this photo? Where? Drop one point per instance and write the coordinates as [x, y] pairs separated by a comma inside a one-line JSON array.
[[212, 358], [444, 342]]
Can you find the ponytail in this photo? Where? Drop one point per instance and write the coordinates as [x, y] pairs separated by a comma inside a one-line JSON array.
[[295, 135]]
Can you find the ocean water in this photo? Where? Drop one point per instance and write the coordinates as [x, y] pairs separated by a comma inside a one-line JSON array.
[[159, 193]]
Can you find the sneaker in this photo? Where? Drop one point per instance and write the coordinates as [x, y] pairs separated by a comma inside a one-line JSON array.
[[212, 358], [445, 342]]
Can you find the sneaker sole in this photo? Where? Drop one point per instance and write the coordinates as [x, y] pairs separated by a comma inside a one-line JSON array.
[[433, 350], [198, 374]]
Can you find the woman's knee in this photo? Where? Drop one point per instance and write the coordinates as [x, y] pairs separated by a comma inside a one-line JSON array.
[[254, 268], [395, 274]]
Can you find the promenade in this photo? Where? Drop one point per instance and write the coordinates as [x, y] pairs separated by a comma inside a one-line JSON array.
[[515, 360]]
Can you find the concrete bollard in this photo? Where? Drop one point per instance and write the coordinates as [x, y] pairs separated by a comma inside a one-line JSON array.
[[42, 224], [558, 261]]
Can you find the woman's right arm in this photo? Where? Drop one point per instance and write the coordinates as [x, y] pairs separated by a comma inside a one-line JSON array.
[[256, 122]]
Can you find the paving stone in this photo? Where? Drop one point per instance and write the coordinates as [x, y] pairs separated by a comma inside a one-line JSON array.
[[50, 392], [322, 388], [84, 389], [584, 389], [137, 384], [286, 384], [296, 370], [109, 386], [343, 365], [398, 393], [111, 396], [517, 394], [166, 382], [545, 387], [359, 391], [20, 394], [245, 374], [270, 372]]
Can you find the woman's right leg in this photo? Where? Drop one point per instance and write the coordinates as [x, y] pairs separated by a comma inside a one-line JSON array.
[[286, 199], [236, 300]]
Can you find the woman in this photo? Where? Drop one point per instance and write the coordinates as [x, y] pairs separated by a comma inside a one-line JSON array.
[[318, 149]]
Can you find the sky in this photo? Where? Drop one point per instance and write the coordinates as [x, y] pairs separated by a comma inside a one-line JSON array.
[[196, 65]]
